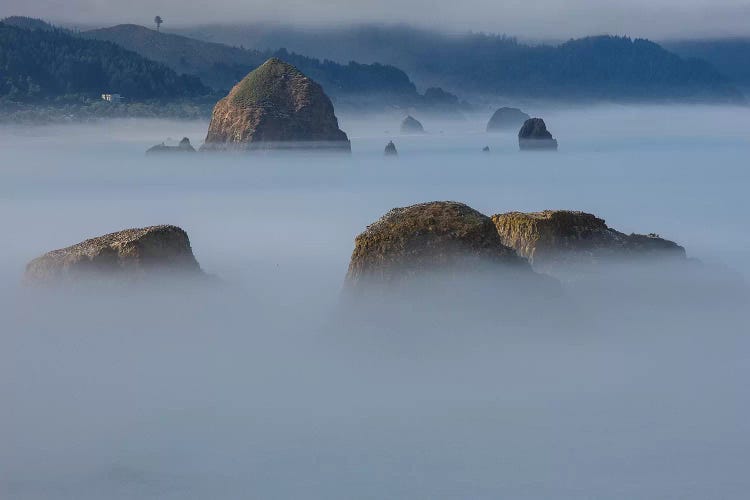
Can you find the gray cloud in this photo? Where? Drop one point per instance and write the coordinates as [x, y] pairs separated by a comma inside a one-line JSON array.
[[538, 19]]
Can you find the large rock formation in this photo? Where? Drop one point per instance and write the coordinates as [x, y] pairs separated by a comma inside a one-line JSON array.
[[390, 149], [535, 136], [560, 237], [411, 125], [275, 106], [506, 118], [183, 147], [428, 237], [125, 256]]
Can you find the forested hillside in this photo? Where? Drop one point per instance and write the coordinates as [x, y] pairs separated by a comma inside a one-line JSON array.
[[39, 64], [600, 67]]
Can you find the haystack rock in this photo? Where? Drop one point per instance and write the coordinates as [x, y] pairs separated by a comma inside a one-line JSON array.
[[124, 256], [275, 107], [183, 147], [390, 149], [506, 119], [535, 136], [435, 237], [411, 125], [486, 149], [561, 237]]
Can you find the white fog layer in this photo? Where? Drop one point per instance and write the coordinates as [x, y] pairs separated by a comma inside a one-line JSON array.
[[264, 385]]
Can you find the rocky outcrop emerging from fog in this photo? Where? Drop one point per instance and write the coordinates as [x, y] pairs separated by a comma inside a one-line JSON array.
[[535, 136], [183, 147], [390, 149], [506, 119], [125, 256], [561, 237], [440, 236], [411, 125], [275, 107]]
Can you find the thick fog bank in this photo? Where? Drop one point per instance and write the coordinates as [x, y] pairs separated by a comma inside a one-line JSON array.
[[630, 384]]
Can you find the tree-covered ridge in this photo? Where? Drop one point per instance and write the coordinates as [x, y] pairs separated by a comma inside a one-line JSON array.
[[221, 66], [37, 64], [599, 67], [731, 56]]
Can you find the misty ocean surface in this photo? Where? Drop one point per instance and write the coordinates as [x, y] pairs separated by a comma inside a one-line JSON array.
[[259, 390]]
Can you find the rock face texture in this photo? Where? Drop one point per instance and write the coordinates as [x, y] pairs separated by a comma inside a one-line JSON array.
[[183, 147], [506, 119], [535, 136], [411, 125], [428, 237], [561, 237], [390, 149], [275, 107], [126, 256]]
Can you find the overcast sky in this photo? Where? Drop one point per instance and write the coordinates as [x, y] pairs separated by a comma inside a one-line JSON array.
[[524, 18]]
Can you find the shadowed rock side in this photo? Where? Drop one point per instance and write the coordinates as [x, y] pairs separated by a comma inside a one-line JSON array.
[[183, 147], [535, 136], [126, 256], [506, 119], [390, 149], [275, 107], [437, 237], [411, 125], [561, 237]]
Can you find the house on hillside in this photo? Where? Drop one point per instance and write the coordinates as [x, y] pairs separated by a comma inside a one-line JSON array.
[[115, 98]]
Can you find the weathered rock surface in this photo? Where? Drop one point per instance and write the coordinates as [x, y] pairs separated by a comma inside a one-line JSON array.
[[506, 119], [390, 149], [411, 125], [535, 136], [440, 236], [183, 147], [275, 107], [126, 256], [562, 237]]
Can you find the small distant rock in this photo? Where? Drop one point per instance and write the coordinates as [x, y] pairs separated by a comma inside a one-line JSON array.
[[554, 238], [505, 119], [124, 256], [390, 149], [411, 125], [535, 136], [486, 149], [183, 147]]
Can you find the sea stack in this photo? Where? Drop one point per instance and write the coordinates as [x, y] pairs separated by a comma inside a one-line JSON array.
[[535, 136], [275, 107], [390, 149], [560, 238], [506, 119], [123, 257], [183, 147], [411, 125]]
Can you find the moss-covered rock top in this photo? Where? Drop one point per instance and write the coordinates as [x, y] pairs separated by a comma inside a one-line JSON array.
[[554, 237], [267, 84], [131, 251], [438, 235]]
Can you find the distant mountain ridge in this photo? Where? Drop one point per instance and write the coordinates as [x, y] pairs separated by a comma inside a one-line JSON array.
[[597, 67], [221, 66], [42, 62], [731, 56]]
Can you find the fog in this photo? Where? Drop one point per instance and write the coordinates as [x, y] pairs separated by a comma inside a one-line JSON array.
[[558, 19], [632, 384]]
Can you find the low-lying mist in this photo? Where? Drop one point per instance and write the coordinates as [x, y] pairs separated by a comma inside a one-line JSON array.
[[269, 384]]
